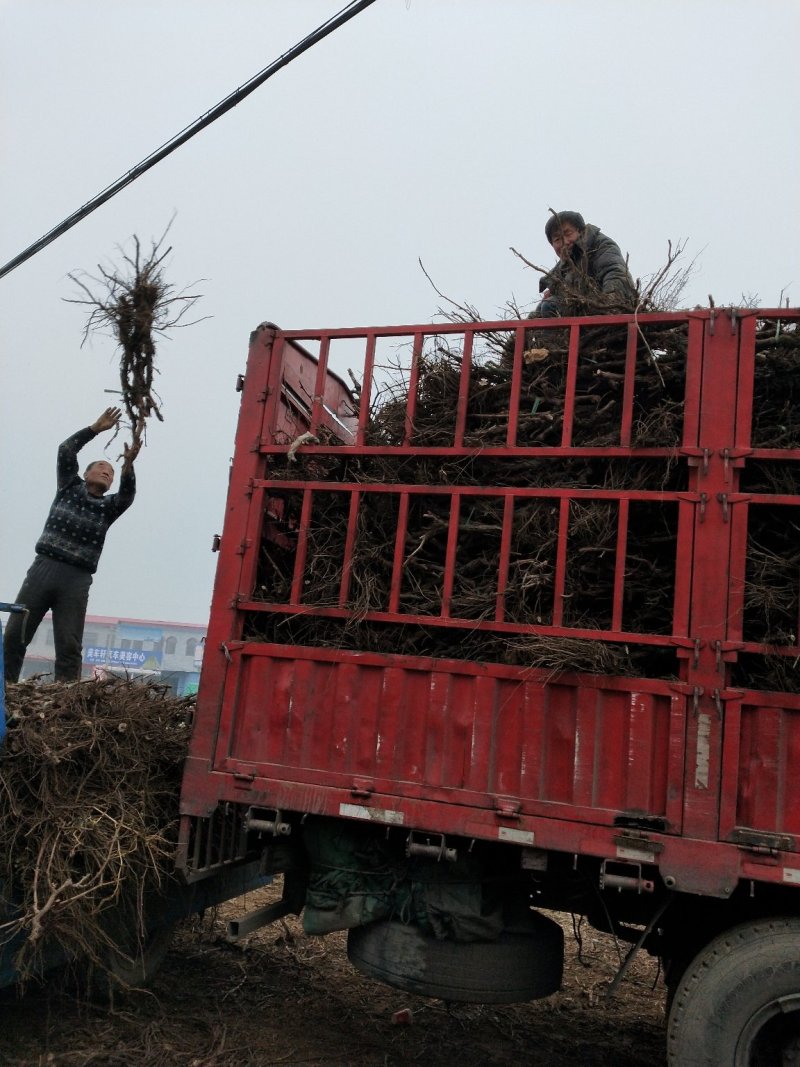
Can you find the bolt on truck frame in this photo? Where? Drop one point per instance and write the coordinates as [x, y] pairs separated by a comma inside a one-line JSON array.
[[663, 806]]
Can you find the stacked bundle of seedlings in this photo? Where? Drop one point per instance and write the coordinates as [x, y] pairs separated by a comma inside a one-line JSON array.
[[657, 403], [91, 777], [530, 583], [593, 527], [776, 392], [772, 588]]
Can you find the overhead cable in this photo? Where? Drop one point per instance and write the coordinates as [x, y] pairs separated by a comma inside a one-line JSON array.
[[337, 20]]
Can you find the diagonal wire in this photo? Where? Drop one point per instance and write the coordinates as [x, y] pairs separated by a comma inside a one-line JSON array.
[[230, 101]]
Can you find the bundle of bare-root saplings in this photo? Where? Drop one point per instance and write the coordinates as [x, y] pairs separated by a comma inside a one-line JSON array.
[[529, 587], [91, 778]]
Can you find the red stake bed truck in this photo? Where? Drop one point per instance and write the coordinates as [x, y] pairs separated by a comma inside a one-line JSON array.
[[471, 657]]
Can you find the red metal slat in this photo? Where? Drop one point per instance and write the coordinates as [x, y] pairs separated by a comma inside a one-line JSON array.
[[399, 554], [516, 388], [620, 563], [458, 732], [629, 386], [225, 622], [271, 384], [694, 378], [646, 768], [529, 491], [463, 388], [557, 758], [414, 726], [349, 545], [439, 703], [505, 557], [498, 325], [365, 687], [391, 725], [533, 747], [561, 561], [569, 387], [298, 575], [451, 554], [683, 567], [759, 767], [520, 452], [454, 622], [744, 396], [585, 765], [737, 569], [413, 388], [320, 384], [729, 778], [487, 699], [675, 762], [365, 403], [790, 788], [508, 743]]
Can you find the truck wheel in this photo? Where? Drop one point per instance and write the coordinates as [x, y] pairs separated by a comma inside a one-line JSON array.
[[738, 1002], [514, 968]]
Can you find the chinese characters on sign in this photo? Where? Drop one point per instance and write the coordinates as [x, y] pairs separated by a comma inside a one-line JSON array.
[[117, 657]]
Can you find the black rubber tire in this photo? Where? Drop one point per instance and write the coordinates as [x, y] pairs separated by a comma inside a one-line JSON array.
[[738, 1002], [516, 967]]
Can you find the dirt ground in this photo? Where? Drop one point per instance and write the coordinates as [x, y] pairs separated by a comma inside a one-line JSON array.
[[280, 997]]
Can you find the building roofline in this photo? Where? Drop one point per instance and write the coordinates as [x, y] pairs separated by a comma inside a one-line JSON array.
[[113, 620]]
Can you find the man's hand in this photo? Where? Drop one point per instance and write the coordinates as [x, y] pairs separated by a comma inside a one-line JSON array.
[[107, 420], [129, 454]]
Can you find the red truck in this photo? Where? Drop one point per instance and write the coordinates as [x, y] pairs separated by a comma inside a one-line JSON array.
[[408, 756]]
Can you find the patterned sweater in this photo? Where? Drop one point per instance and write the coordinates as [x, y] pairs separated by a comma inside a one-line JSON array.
[[76, 527]]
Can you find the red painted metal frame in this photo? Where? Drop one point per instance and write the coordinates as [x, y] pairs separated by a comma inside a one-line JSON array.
[[306, 729]]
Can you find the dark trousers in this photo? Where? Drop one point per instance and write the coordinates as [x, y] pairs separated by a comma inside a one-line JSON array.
[[50, 586]]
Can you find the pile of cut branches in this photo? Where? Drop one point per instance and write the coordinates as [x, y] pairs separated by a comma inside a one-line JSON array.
[[88, 814], [530, 586], [593, 527]]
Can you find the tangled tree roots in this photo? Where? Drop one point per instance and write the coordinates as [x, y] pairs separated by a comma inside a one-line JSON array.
[[137, 304], [88, 814]]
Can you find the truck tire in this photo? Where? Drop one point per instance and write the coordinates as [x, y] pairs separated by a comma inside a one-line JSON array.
[[738, 1002], [514, 968]]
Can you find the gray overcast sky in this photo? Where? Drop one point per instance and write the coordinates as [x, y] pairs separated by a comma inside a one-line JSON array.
[[440, 129]]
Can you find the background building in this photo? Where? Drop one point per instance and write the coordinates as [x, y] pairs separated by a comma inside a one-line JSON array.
[[169, 652]]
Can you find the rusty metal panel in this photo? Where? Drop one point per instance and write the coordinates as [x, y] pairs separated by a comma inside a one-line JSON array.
[[762, 757], [462, 733]]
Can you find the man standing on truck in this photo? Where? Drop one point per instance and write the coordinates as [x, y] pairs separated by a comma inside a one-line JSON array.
[[590, 264], [68, 551], [590, 278]]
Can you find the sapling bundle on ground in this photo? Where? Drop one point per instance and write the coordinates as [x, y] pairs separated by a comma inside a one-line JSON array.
[[138, 305], [89, 796]]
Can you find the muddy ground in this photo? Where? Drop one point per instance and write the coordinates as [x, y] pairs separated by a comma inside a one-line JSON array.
[[280, 997]]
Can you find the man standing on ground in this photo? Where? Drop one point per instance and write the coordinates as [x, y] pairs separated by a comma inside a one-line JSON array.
[[68, 551]]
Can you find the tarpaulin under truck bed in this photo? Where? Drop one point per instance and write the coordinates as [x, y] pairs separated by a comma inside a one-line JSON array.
[[682, 761]]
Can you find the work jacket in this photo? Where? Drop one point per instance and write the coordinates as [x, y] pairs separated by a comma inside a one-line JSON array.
[[593, 256]]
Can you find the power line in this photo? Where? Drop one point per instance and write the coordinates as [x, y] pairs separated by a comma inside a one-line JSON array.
[[337, 20]]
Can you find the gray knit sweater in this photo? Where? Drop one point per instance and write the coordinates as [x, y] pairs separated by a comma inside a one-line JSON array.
[[75, 530]]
